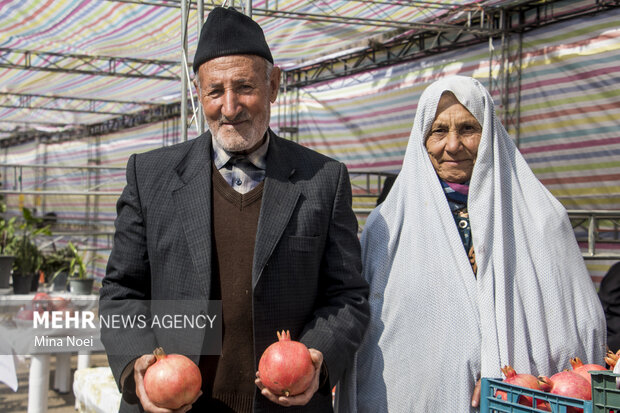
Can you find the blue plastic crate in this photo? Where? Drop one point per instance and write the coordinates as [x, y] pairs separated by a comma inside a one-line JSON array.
[[489, 403]]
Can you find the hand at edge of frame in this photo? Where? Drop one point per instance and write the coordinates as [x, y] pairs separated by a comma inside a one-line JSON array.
[[300, 399]]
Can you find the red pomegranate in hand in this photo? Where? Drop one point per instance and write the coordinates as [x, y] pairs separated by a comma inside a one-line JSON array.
[[285, 367], [172, 381], [583, 369]]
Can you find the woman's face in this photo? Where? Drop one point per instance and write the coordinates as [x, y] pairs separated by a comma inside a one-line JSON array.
[[453, 140]]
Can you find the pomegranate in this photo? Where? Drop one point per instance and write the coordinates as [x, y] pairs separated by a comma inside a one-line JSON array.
[[41, 296], [25, 314], [285, 367], [583, 369], [567, 383], [60, 304], [611, 358], [522, 380], [172, 381], [41, 302]]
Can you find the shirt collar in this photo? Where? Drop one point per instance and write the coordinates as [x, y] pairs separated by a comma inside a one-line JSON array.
[[257, 157]]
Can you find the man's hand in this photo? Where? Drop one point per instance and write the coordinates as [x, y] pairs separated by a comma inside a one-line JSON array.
[[475, 399], [139, 368], [299, 399]]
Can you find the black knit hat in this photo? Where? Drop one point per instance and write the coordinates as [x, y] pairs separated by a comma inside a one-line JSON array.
[[228, 32]]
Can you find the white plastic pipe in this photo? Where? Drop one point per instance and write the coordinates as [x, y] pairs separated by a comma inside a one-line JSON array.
[[38, 383]]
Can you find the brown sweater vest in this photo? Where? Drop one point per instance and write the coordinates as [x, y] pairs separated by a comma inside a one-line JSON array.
[[230, 377]]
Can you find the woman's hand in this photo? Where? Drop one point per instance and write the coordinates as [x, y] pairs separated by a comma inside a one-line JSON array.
[[475, 399]]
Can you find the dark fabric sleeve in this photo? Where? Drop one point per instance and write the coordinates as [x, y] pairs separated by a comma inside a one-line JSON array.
[[609, 294], [342, 313], [128, 384], [127, 282]]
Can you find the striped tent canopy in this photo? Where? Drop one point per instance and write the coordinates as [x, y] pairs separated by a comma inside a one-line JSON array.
[[67, 64], [51, 50]]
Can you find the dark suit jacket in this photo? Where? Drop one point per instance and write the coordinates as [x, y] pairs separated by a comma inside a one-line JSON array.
[[609, 294], [306, 269]]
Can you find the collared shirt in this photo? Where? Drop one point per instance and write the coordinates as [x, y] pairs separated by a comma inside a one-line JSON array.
[[242, 172]]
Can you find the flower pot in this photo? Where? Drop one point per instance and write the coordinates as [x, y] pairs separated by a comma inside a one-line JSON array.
[[34, 284], [6, 262], [22, 283], [60, 282], [81, 286]]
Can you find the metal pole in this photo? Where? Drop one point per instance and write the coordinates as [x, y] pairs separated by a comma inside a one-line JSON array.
[[183, 68], [282, 103], [491, 49], [200, 113], [504, 71], [297, 110], [37, 175], [592, 235], [518, 103], [248, 8]]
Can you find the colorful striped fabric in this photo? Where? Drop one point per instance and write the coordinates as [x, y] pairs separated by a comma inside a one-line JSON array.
[[147, 31], [570, 109], [570, 112]]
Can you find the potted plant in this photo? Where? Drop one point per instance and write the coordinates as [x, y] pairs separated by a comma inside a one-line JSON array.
[[55, 266], [28, 257], [26, 265], [7, 233], [79, 280]]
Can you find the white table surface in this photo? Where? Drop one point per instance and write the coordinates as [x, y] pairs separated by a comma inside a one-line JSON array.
[[20, 340]]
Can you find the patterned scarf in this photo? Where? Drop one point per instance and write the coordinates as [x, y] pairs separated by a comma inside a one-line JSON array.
[[457, 199], [456, 194]]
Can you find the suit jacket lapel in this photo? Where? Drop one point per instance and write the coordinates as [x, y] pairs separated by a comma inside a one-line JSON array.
[[193, 202], [280, 196]]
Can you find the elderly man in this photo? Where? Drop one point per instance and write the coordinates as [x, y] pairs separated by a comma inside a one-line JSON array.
[[242, 216]]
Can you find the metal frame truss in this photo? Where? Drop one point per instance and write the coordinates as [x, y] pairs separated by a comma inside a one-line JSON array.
[[272, 10], [597, 229], [409, 41], [146, 116], [375, 56], [507, 24], [475, 27], [88, 65], [65, 103], [288, 111], [504, 81]]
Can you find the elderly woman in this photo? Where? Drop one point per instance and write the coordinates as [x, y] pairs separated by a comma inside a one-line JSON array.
[[472, 265]]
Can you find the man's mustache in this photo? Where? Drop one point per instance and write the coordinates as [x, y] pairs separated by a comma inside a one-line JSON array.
[[241, 117]]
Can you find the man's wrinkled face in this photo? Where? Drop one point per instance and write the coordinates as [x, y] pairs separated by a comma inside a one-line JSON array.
[[236, 93], [453, 140]]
